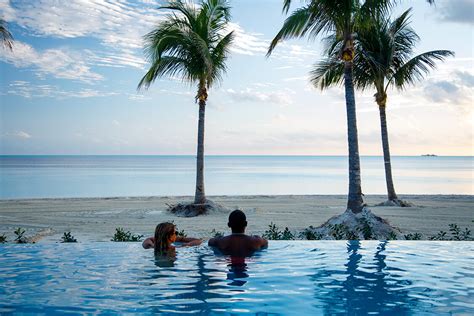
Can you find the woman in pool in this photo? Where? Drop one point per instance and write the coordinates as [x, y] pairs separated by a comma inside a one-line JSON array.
[[165, 236]]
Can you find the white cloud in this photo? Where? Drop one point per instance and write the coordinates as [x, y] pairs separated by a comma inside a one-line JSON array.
[[246, 43], [251, 95], [28, 90], [459, 11], [61, 63], [17, 135]]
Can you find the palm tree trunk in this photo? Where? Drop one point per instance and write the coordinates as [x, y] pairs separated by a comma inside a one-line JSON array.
[[386, 155], [355, 202], [200, 196]]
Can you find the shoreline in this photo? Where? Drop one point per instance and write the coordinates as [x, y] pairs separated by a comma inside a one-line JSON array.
[[96, 218]]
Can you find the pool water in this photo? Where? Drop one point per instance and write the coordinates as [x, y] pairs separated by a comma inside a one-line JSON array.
[[289, 278]]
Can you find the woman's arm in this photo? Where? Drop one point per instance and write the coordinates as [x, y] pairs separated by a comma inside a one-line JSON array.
[[195, 242], [186, 239], [149, 243]]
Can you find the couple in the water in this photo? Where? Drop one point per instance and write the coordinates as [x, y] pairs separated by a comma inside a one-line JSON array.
[[236, 244]]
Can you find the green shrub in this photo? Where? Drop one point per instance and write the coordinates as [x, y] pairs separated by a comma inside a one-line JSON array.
[[309, 234], [455, 234], [67, 237], [122, 235], [216, 234], [273, 233], [415, 236], [181, 233], [3, 238], [342, 232], [366, 229], [20, 238], [458, 234], [440, 236], [287, 235], [392, 236]]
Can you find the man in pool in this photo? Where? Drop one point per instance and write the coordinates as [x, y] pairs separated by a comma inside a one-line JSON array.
[[238, 243]]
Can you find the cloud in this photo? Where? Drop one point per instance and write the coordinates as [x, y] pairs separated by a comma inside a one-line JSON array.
[[61, 63], [28, 90], [246, 43], [466, 78], [251, 95], [459, 11], [17, 135], [119, 26]]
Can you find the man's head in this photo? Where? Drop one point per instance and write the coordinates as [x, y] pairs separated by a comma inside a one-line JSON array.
[[237, 221]]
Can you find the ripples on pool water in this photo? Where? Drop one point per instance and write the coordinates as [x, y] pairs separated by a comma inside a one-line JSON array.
[[298, 277]]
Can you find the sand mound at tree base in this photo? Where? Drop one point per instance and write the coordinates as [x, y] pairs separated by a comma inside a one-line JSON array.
[[363, 225], [396, 202], [191, 209]]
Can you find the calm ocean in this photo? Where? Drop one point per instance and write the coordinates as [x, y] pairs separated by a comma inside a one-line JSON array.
[[109, 176]]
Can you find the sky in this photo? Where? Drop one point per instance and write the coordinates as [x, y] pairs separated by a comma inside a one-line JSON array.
[[70, 87]]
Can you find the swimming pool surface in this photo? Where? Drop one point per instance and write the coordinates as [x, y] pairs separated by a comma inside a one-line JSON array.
[[289, 278]]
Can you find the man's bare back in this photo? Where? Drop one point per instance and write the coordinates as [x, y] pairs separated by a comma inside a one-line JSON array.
[[238, 243]]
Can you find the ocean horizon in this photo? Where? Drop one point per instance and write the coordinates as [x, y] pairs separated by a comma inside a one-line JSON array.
[[63, 176]]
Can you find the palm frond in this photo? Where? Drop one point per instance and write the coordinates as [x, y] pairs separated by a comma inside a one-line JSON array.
[[294, 26], [5, 35], [189, 43], [219, 57], [416, 68], [327, 73]]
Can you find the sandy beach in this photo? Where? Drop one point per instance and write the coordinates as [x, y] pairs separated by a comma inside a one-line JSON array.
[[95, 219]]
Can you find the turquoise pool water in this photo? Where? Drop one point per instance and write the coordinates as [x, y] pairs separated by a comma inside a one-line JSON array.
[[289, 278]]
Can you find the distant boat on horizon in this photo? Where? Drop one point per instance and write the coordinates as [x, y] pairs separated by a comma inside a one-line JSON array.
[[429, 155]]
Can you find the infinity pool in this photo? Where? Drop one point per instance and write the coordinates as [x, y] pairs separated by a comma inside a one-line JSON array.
[[290, 278]]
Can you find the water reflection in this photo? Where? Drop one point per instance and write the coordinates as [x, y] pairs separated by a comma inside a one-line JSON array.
[[187, 289], [165, 260], [237, 271], [362, 289]]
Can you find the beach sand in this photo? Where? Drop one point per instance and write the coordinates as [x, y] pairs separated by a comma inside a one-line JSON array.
[[95, 219]]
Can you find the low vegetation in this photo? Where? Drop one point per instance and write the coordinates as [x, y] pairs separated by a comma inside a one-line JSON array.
[[455, 233], [3, 238], [310, 234], [274, 233], [122, 235], [181, 233], [67, 237], [343, 232], [415, 236], [216, 234], [20, 236]]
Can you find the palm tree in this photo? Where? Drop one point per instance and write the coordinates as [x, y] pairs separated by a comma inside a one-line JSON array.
[[190, 44], [5, 36], [341, 19], [383, 58]]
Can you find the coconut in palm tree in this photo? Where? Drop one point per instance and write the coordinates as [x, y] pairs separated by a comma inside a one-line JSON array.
[[190, 43], [383, 59]]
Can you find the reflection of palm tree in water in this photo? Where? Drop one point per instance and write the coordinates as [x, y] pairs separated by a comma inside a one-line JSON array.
[[362, 292]]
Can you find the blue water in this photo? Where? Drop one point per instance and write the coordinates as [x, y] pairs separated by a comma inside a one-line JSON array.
[[105, 176], [290, 278]]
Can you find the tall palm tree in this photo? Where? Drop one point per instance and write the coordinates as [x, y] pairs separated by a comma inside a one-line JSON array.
[[383, 59], [341, 19], [190, 44], [5, 36]]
